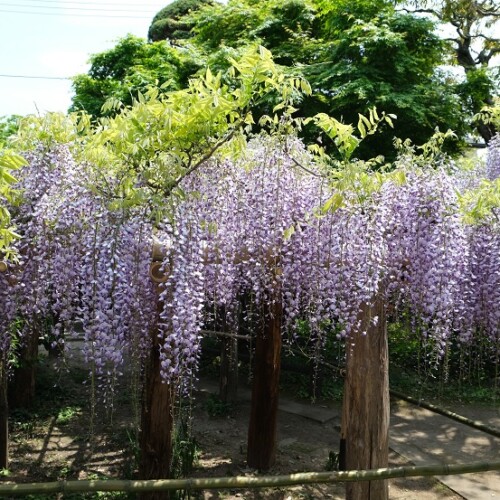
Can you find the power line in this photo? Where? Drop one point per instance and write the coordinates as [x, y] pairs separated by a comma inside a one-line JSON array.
[[71, 2], [36, 77], [63, 8], [72, 15]]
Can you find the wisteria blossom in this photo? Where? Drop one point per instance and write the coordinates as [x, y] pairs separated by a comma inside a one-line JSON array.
[[80, 263], [252, 227], [493, 159]]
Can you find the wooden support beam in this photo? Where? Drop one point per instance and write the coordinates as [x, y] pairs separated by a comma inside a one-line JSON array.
[[261, 452], [157, 413], [4, 417], [365, 411]]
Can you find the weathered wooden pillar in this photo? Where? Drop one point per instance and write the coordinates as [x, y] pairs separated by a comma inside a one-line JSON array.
[[261, 452], [365, 412], [4, 417], [157, 413], [22, 384], [4, 405], [228, 382]]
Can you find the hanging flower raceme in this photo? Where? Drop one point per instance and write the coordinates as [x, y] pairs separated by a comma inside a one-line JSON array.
[[182, 296], [227, 241], [82, 263], [493, 159], [252, 228], [117, 298], [40, 293], [257, 227], [428, 253], [484, 295]]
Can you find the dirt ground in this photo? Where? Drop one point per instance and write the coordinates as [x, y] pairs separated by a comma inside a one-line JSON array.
[[58, 444], [304, 445]]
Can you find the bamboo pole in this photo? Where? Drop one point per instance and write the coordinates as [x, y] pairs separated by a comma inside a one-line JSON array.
[[476, 424], [131, 486], [230, 335]]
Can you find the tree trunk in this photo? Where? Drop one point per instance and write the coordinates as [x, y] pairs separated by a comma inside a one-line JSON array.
[[228, 387], [156, 427], [157, 414], [22, 385], [365, 412], [4, 418], [261, 453]]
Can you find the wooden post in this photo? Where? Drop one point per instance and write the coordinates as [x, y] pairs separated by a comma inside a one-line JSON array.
[[365, 412], [22, 385], [261, 452], [4, 404], [157, 413], [4, 417], [228, 384]]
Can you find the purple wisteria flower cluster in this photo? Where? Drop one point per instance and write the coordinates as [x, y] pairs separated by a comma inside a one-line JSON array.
[[259, 233], [80, 263], [250, 227], [493, 159]]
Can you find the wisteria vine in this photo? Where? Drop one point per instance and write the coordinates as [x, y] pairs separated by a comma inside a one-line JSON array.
[[253, 227]]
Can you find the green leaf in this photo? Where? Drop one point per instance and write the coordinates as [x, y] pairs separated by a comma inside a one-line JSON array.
[[288, 232], [333, 203]]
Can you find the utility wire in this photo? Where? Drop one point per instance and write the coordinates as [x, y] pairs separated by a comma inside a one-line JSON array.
[[36, 77], [63, 8], [73, 15], [102, 4]]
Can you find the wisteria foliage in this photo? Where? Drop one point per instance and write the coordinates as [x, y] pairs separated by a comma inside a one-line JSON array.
[[249, 227]]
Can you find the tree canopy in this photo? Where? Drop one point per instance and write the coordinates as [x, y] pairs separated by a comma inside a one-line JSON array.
[[170, 22], [128, 68], [356, 55], [472, 45]]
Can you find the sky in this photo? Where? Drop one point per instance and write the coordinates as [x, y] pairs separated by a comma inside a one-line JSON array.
[[53, 39]]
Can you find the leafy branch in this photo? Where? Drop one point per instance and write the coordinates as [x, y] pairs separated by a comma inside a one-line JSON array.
[[344, 135], [9, 161]]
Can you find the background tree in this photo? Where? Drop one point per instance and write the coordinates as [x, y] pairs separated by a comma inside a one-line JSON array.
[[285, 28], [470, 29], [8, 127], [356, 55], [388, 60], [128, 68], [170, 22]]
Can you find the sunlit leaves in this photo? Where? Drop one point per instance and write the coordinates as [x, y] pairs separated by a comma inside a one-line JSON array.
[[150, 146], [9, 162], [490, 115], [51, 128], [482, 203], [344, 136]]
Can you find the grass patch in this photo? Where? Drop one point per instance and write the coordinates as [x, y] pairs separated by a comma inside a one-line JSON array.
[[67, 414]]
